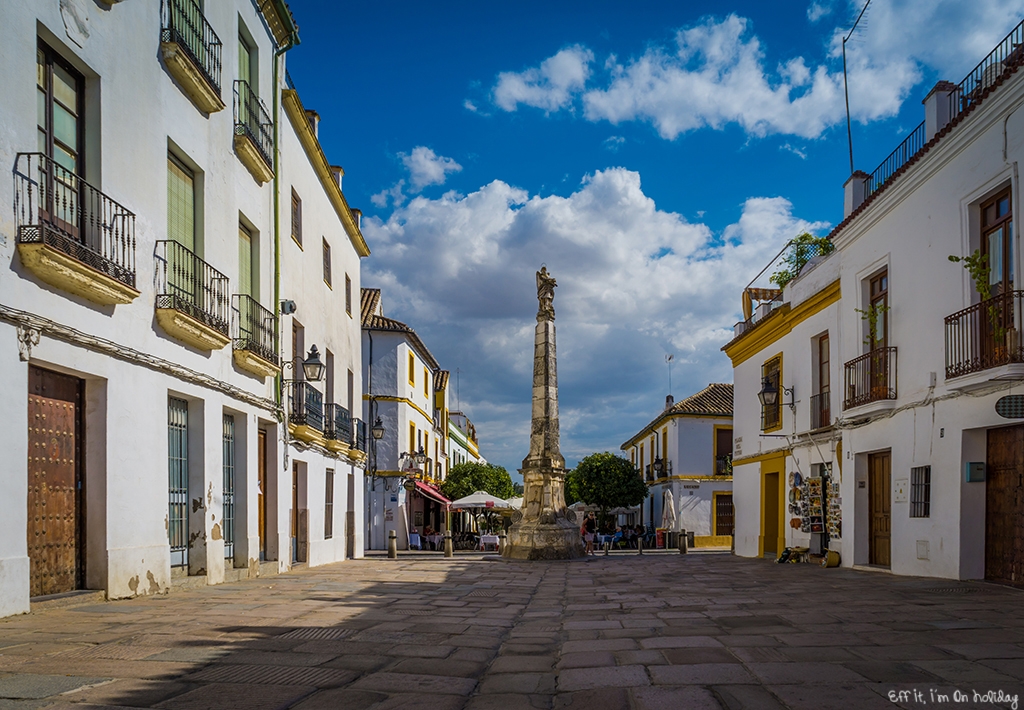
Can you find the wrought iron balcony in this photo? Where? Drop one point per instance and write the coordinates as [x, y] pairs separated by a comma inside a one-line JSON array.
[[305, 405], [723, 465], [338, 424], [183, 24], [821, 410], [189, 285], [870, 377], [252, 122], [985, 335], [359, 433], [59, 209], [255, 329]]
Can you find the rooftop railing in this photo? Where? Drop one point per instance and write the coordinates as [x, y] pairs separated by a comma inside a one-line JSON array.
[[896, 159], [54, 206], [183, 23]]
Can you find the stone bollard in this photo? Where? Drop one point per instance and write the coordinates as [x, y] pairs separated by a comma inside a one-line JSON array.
[[448, 549], [683, 543], [392, 545], [501, 544], [639, 546], [607, 546]]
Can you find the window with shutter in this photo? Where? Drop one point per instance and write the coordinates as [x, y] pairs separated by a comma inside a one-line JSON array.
[[181, 204], [244, 262]]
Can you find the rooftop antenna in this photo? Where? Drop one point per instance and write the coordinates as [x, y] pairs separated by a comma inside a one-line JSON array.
[[846, 87], [668, 359]]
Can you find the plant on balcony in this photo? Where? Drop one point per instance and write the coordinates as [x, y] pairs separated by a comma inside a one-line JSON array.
[[981, 273], [871, 314], [801, 249]]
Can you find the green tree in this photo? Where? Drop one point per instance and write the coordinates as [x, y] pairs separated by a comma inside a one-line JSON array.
[[467, 478], [607, 481]]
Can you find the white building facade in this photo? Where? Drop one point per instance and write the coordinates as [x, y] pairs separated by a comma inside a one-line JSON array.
[[407, 391], [463, 445], [139, 297], [926, 448], [687, 450]]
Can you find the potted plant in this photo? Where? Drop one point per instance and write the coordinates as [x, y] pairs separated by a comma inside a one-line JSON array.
[[801, 249], [1003, 338]]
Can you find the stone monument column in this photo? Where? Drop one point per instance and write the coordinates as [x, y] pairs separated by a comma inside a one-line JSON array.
[[544, 529]]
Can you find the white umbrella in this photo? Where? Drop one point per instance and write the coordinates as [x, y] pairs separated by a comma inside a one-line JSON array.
[[668, 512], [480, 499]]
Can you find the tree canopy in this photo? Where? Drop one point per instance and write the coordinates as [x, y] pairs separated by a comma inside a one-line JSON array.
[[467, 478], [605, 480]]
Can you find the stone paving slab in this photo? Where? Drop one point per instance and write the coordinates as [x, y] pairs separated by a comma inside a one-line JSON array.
[[623, 631]]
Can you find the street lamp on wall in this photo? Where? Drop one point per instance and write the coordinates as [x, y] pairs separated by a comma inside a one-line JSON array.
[[769, 394], [312, 367]]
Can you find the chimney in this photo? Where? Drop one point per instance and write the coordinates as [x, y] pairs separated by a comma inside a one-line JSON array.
[[855, 191], [314, 121], [669, 401], [938, 108], [339, 173], [359, 217]]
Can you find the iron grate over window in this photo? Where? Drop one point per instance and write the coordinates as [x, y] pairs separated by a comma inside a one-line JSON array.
[[177, 446], [920, 491]]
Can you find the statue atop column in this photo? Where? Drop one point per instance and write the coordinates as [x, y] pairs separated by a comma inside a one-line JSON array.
[[545, 295], [544, 529]]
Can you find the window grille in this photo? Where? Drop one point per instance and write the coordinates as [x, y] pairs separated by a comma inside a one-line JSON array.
[[920, 491], [329, 506], [177, 459], [228, 515]]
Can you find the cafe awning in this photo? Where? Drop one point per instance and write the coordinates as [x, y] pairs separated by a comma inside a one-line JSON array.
[[425, 490]]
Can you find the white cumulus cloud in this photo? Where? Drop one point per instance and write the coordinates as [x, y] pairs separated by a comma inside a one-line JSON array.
[[634, 282], [550, 87], [427, 167]]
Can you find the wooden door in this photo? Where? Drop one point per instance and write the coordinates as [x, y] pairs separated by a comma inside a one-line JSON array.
[[770, 518], [1004, 506], [55, 514], [261, 495], [723, 514], [879, 484]]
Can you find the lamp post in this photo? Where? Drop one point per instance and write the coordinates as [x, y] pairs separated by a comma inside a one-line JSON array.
[[313, 371]]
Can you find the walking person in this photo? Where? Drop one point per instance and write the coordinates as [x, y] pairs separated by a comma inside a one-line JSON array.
[[590, 527]]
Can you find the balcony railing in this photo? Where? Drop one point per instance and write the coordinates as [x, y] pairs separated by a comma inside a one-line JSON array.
[[821, 410], [255, 328], [359, 434], [985, 335], [896, 159], [190, 285], [53, 206], [723, 465], [870, 377], [182, 22], [338, 424], [305, 405], [253, 120]]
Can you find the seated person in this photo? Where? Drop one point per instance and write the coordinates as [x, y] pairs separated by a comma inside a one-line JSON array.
[[617, 537], [629, 536], [428, 531]]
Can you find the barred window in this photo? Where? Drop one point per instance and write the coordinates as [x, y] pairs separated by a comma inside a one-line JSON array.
[[920, 491], [771, 374], [327, 263]]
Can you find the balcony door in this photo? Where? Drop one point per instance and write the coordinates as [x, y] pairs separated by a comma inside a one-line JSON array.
[[59, 111], [181, 229], [997, 246], [879, 336]]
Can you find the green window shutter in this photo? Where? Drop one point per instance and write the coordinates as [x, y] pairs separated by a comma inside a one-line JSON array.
[[181, 205], [244, 262]]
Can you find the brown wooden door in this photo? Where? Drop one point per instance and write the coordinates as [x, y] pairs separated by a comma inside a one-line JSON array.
[[723, 514], [54, 482], [1004, 506], [261, 495], [295, 512], [771, 514], [879, 484]]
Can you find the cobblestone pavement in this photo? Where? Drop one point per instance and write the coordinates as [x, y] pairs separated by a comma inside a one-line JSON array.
[[658, 631]]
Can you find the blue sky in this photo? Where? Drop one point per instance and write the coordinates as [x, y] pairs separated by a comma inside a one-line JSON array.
[[654, 155]]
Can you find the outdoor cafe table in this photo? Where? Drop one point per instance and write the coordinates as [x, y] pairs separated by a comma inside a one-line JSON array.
[[435, 540], [486, 540]]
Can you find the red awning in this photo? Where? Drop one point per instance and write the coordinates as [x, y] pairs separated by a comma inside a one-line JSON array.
[[429, 492]]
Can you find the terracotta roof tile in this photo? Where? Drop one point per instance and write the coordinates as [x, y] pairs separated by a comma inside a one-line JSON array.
[[715, 400]]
